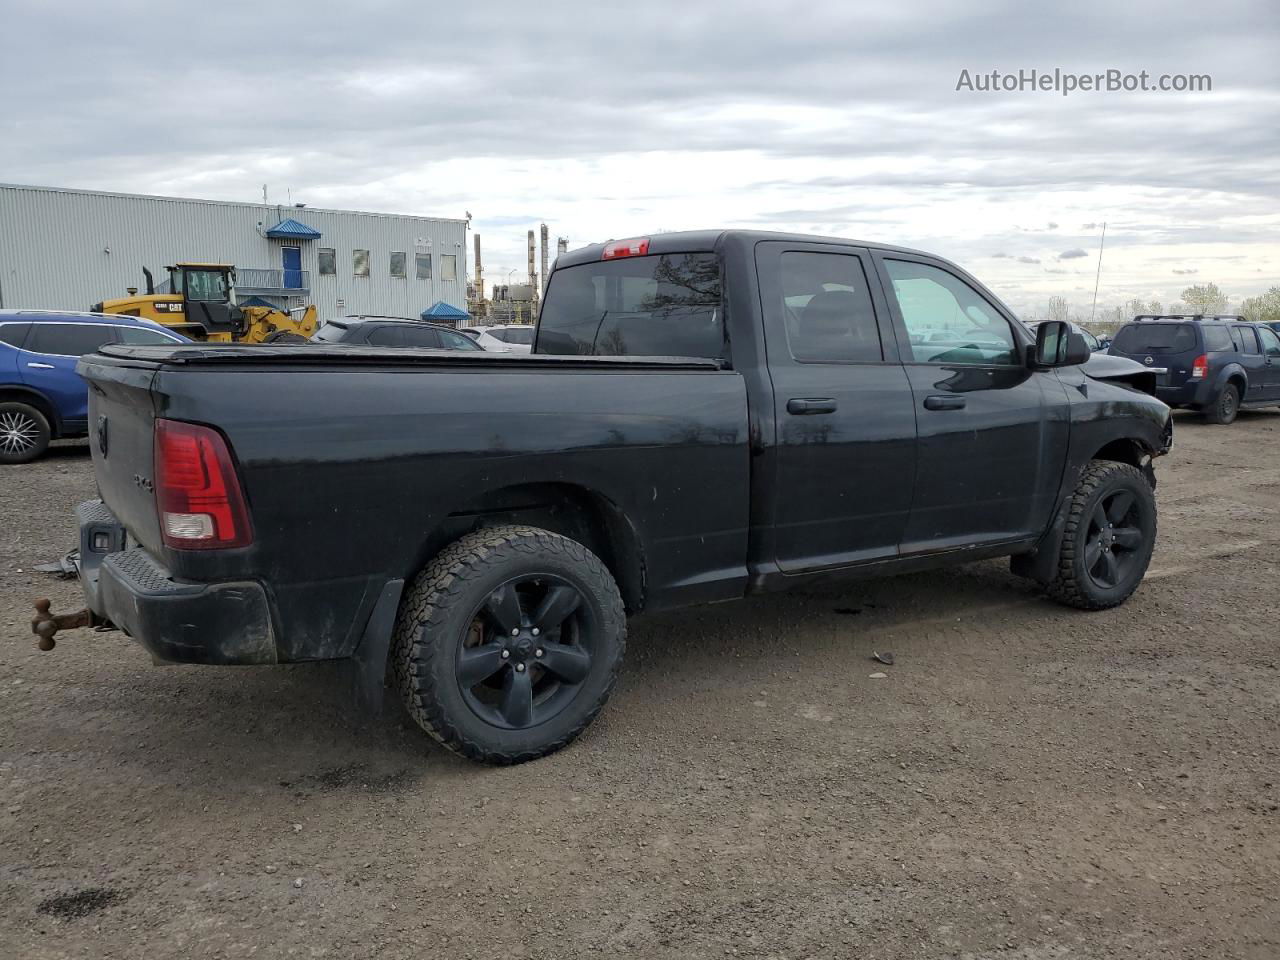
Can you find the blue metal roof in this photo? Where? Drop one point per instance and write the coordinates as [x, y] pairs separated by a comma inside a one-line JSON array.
[[443, 311], [291, 229]]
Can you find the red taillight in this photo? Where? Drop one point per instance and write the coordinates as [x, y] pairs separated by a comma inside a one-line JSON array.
[[197, 490], [1200, 369], [635, 247]]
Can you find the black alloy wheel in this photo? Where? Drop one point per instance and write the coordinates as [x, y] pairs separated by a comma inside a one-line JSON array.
[[526, 652], [1114, 542]]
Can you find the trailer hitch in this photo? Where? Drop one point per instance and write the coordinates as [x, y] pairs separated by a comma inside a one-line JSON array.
[[45, 624]]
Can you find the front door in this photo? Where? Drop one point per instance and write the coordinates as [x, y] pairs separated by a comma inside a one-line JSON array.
[[1270, 372], [846, 430], [992, 432], [291, 261]]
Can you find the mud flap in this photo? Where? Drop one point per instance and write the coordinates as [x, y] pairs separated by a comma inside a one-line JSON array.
[[369, 662]]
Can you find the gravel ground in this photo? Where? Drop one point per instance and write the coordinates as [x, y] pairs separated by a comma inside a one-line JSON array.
[[1027, 781]]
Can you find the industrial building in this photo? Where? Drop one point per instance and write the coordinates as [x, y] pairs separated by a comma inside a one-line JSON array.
[[67, 249]]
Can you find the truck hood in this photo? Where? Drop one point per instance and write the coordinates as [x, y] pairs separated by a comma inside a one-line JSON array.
[[1103, 366]]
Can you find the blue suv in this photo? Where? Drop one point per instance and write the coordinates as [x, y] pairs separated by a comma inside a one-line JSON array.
[[42, 398]]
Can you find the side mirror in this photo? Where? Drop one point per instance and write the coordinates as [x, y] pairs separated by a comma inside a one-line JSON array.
[[1057, 346]]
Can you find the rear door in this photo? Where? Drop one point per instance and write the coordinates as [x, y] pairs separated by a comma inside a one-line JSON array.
[[1271, 372], [992, 440], [1248, 353], [1173, 346], [846, 429], [47, 363]]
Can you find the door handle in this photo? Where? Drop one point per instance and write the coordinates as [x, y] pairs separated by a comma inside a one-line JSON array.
[[804, 407], [42, 366], [944, 401]]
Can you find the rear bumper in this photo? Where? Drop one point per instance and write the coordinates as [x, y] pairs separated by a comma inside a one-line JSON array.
[[177, 621], [1192, 393]]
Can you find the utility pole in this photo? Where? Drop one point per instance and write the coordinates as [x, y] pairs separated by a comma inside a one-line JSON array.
[[1098, 279]]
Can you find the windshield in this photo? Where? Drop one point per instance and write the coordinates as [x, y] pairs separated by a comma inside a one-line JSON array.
[[1155, 338], [667, 305], [208, 285]]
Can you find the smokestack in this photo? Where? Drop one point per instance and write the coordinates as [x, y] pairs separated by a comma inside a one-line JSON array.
[[533, 276], [562, 245], [544, 258], [479, 272]]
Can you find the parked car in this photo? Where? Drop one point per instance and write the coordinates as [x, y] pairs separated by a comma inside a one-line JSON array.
[[42, 398], [482, 524], [485, 339], [392, 332], [1216, 365], [1096, 344], [515, 338]]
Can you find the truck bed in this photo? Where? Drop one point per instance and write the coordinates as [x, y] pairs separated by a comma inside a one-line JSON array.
[[358, 463]]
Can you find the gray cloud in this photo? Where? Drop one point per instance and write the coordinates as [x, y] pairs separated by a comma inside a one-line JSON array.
[[1186, 272], [854, 123], [1072, 254]]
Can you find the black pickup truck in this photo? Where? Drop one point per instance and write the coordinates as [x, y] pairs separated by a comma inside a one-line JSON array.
[[705, 415]]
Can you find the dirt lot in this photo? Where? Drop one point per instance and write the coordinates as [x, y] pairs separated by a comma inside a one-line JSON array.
[[1027, 782]]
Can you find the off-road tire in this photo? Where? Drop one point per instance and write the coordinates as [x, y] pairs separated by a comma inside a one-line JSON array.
[[1073, 585], [1225, 407], [436, 610], [35, 430]]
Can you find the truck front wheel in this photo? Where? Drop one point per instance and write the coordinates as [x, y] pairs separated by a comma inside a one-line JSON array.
[[508, 644], [1109, 535]]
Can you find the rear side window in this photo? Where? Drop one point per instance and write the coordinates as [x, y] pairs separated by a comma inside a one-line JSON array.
[[1156, 338], [523, 335], [141, 335], [69, 339], [666, 305], [386, 337], [419, 336], [1248, 341], [1217, 339], [13, 333], [456, 341], [330, 333], [827, 307]]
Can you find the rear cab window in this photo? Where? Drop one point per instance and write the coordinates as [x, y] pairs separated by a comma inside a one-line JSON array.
[[1156, 338], [658, 305]]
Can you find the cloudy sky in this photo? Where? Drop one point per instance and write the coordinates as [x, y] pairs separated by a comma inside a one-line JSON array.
[[610, 120]]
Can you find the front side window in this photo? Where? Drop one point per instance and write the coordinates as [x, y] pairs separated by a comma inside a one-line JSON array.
[[360, 263], [397, 264], [1270, 342], [457, 341], [69, 339], [947, 320], [827, 308], [422, 263], [327, 261], [665, 305], [448, 266]]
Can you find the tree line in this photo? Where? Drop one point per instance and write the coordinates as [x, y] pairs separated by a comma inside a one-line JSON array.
[[1203, 298]]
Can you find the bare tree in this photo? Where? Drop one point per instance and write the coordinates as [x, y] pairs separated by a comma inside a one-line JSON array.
[[1205, 298], [1058, 309]]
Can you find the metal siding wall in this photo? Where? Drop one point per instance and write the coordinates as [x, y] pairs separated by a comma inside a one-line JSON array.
[[53, 249]]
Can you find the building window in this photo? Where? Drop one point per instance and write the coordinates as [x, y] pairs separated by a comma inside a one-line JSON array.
[[360, 262], [328, 261], [423, 263], [448, 266], [397, 264]]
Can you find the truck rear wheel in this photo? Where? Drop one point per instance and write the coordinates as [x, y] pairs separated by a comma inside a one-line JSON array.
[[24, 433], [508, 644], [1109, 537]]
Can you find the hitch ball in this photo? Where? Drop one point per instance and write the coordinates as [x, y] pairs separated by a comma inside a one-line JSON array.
[[45, 624]]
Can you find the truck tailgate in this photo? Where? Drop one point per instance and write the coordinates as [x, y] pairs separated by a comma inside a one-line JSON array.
[[121, 424]]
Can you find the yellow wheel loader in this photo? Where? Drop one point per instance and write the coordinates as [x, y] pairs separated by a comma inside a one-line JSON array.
[[199, 305]]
